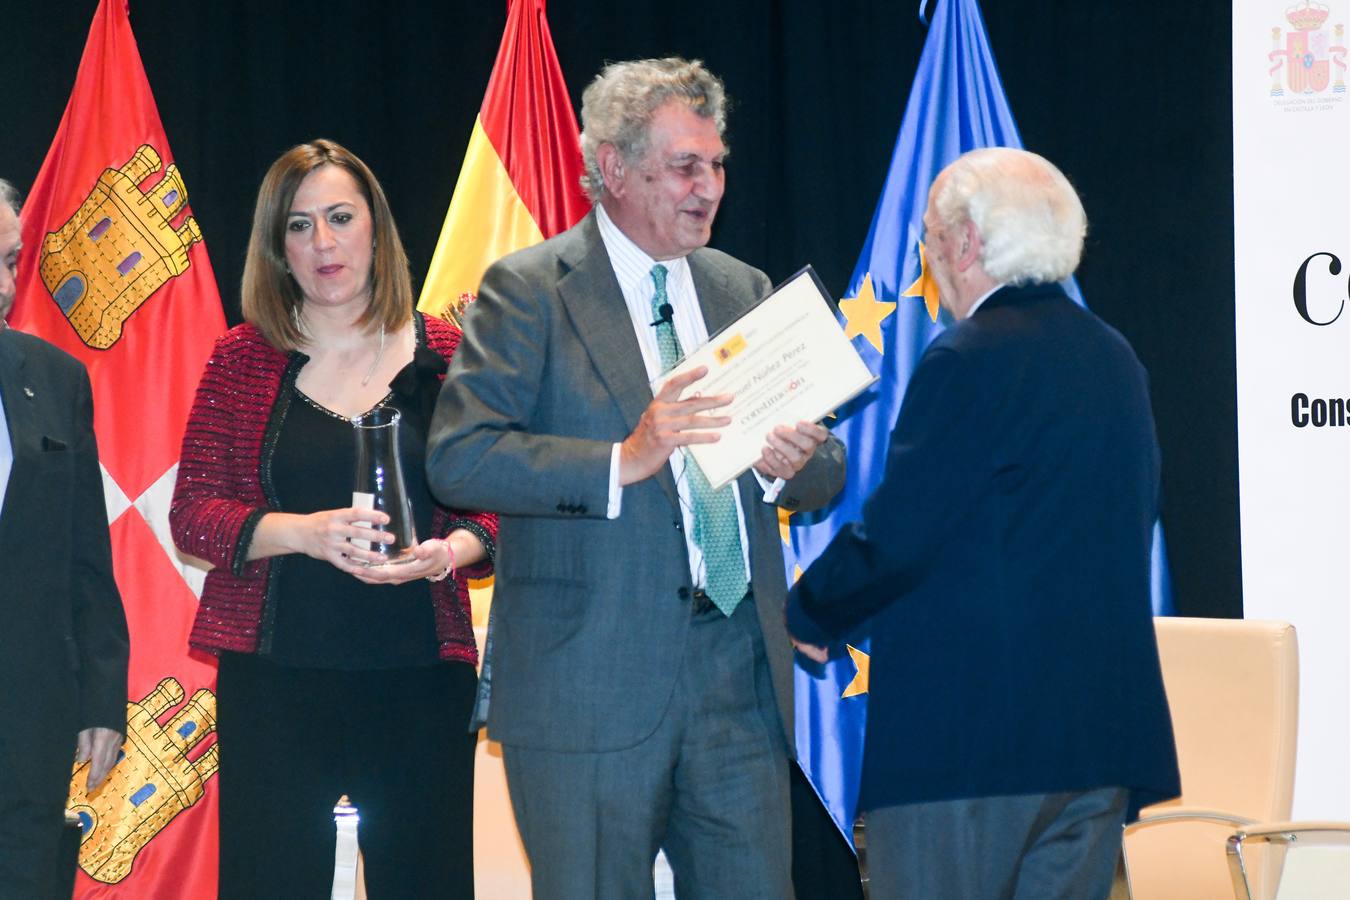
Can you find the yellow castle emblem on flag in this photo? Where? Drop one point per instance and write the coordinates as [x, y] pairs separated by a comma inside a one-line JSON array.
[[153, 781], [118, 248]]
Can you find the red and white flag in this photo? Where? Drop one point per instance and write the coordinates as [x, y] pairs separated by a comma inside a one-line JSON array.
[[114, 271]]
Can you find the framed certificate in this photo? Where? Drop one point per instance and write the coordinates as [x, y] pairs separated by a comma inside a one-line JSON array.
[[784, 361]]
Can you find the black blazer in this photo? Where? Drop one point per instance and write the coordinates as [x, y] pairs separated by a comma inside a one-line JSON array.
[[1004, 562], [63, 635]]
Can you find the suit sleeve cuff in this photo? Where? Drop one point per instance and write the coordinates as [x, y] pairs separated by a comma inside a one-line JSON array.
[[615, 489], [772, 489], [801, 626]]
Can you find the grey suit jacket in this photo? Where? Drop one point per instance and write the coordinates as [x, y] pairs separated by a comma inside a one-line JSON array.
[[589, 614]]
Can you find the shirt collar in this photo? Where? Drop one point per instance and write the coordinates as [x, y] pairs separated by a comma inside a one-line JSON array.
[[632, 265], [987, 294]]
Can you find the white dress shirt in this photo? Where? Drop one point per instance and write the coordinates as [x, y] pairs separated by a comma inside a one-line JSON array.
[[6, 454], [633, 269]]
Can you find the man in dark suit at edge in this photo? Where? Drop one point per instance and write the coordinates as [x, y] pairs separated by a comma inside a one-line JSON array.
[[63, 635], [1016, 716], [641, 678]]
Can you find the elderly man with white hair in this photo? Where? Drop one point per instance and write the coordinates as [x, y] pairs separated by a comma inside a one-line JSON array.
[[1016, 717]]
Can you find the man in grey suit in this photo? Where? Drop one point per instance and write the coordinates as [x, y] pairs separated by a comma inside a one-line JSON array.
[[641, 679]]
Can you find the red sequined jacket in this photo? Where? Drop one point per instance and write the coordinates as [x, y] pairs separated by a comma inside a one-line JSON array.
[[220, 495]]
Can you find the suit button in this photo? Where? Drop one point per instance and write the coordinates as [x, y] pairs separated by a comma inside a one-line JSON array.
[[679, 526], [683, 593]]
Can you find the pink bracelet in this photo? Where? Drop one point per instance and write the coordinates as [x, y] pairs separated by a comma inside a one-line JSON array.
[[449, 569]]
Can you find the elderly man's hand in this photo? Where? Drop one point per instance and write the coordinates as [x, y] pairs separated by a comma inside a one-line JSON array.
[[811, 651], [100, 746], [669, 422], [787, 450]]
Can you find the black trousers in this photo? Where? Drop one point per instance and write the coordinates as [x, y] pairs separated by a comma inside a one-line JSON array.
[[37, 749], [396, 741]]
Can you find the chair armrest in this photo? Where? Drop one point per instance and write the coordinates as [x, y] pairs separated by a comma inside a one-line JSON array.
[[1188, 814], [1285, 834], [1310, 832], [1184, 857]]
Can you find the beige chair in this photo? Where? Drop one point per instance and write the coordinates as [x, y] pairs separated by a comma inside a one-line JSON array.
[[1233, 689]]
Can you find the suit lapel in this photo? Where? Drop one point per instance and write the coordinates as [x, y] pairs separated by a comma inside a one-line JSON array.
[[720, 308], [590, 293]]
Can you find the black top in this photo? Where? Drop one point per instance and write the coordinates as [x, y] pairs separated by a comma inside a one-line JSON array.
[[325, 618]]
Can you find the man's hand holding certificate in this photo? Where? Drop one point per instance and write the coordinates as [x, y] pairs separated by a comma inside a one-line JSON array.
[[758, 385], [667, 423]]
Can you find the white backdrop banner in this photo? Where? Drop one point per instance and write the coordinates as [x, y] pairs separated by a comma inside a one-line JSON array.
[[1291, 204]]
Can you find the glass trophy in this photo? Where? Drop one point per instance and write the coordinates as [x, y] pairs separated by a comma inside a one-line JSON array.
[[379, 484]]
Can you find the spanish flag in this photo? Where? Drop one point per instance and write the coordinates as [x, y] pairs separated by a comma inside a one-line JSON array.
[[521, 177]]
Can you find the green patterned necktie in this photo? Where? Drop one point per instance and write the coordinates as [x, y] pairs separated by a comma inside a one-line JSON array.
[[717, 531]]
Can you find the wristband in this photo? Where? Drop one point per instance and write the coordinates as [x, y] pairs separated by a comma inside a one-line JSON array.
[[450, 567]]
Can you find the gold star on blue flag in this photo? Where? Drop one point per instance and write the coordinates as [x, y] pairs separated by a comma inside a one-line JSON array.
[[863, 662], [864, 313], [924, 286]]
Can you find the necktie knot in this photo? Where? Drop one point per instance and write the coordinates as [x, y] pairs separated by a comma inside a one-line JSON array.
[[667, 342]]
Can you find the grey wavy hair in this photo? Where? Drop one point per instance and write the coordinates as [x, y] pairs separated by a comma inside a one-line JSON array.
[[1029, 217], [617, 107], [9, 195]]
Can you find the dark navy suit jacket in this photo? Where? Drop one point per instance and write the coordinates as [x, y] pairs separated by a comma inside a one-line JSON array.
[[1004, 565], [63, 635]]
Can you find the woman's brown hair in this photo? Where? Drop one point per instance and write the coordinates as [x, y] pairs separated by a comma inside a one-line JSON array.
[[271, 299]]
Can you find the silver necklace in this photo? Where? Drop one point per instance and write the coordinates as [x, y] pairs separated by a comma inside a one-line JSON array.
[[379, 355]]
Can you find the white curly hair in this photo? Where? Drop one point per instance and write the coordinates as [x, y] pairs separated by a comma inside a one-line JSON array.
[[1029, 217]]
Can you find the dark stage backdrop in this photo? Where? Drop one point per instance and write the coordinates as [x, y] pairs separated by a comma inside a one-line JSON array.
[[1131, 100]]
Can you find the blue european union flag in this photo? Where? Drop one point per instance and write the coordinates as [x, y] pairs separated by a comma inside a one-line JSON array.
[[956, 104]]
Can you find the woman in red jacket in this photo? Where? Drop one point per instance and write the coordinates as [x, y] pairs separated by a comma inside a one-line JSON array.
[[335, 677]]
